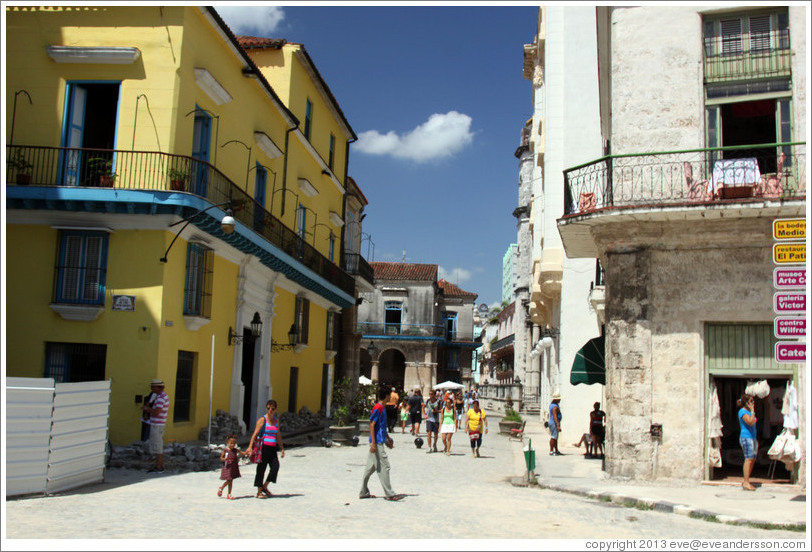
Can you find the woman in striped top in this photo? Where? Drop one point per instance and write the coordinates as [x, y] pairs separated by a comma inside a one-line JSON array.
[[271, 441]]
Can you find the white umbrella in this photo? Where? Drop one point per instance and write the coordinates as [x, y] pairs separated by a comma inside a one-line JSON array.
[[363, 380], [449, 385]]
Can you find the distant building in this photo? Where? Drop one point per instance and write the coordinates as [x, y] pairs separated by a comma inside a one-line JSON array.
[[417, 331], [510, 273]]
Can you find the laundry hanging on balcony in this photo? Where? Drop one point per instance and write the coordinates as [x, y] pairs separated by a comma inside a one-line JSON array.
[[589, 365]]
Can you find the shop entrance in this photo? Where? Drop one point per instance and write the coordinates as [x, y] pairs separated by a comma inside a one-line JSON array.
[[769, 425]]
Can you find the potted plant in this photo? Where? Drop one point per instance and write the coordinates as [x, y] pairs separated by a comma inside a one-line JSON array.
[[177, 179], [103, 167], [22, 167], [511, 420], [343, 430]]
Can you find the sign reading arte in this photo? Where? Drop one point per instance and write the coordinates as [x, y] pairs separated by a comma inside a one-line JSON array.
[[789, 278]]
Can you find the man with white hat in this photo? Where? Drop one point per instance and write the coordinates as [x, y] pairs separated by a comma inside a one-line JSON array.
[[555, 424], [157, 422]]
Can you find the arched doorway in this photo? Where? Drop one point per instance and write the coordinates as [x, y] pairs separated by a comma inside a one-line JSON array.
[[391, 368]]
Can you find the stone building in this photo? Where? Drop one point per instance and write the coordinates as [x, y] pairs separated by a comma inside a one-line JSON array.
[[686, 94], [417, 330]]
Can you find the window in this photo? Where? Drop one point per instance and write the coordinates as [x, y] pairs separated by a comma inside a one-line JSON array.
[[392, 316], [740, 349], [302, 318], [332, 252], [81, 271], [199, 270], [450, 323], [302, 226], [183, 386], [452, 359], [754, 33], [332, 334], [308, 119], [74, 362], [331, 158]]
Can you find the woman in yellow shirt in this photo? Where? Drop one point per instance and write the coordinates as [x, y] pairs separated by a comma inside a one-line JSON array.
[[476, 424]]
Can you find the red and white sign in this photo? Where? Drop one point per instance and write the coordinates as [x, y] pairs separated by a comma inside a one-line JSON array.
[[789, 302], [790, 352], [792, 327], [789, 278]]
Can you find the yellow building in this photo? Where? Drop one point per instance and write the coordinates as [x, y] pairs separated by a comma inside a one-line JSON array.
[[133, 133]]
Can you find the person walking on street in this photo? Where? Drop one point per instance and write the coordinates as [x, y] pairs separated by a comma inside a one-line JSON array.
[[230, 457], [433, 407], [391, 405], [404, 415], [458, 404], [748, 437], [555, 424], [415, 411], [157, 421], [448, 424], [271, 441], [148, 400], [596, 429], [377, 460], [476, 425]]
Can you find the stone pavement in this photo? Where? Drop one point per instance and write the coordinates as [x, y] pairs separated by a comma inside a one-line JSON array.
[[770, 505]]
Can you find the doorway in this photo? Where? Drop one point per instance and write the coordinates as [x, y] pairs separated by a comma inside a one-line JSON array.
[[249, 377], [769, 425]]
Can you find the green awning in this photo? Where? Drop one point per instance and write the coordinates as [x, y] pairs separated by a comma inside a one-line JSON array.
[[589, 366]]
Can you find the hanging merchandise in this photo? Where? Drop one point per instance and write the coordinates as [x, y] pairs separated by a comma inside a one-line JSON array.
[[790, 407], [715, 453], [715, 427], [758, 389]]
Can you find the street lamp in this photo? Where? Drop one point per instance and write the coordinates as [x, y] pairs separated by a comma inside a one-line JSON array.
[[293, 337], [256, 331], [371, 348], [227, 224]]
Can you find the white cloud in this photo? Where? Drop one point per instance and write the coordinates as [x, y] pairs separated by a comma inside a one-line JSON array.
[[442, 135], [252, 20], [456, 276]]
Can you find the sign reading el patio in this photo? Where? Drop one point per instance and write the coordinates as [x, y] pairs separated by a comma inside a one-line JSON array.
[[789, 253]]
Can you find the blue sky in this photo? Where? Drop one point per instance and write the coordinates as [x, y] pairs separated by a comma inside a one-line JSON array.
[[437, 98]]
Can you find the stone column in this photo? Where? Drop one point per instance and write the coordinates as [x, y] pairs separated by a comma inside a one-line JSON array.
[[374, 374]]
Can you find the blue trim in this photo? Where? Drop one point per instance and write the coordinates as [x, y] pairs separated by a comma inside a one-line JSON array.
[[153, 202]]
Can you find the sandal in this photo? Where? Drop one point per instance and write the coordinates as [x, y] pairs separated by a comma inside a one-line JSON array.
[[261, 495], [230, 497], [267, 493], [220, 491]]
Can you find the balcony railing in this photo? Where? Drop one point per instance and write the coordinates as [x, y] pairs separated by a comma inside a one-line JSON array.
[[355, 264], [711, 175], [768, 56], [139, 170], [416, 330]]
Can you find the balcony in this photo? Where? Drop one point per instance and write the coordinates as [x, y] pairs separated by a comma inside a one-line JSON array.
[[761, 61], [151, 171], [355, 264], [687, 177], [401, 330]]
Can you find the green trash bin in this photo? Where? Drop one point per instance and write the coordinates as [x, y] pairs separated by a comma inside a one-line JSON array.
[[530, 456]]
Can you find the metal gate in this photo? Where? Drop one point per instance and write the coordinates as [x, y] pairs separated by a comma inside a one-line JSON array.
[[56, 434]]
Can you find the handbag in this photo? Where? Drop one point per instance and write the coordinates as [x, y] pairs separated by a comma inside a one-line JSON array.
[[777, 449], [256, 450]]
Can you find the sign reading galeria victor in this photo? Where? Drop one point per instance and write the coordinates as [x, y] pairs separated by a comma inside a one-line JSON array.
[[790, 249]]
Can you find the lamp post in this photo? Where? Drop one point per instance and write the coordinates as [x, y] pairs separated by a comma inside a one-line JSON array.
[[227, 224], [256, 331], [293, 338]]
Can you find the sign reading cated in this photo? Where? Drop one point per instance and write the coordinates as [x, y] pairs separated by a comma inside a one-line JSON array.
[[789, 278], [789, 229], [789, 302], [786, 253], [790, 352], [792, 327]]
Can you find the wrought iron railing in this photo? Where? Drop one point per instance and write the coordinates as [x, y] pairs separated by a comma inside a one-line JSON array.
[[144, 170], [355, 264], [768, 56], [417, 330], [710, 175]]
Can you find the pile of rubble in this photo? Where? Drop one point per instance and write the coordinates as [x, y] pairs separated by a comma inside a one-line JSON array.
[[186, 457]]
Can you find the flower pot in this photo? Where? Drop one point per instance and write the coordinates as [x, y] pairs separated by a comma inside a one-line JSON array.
[[23, 179], [106, 180], [177, 185], [505, 427], [346, 435]]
